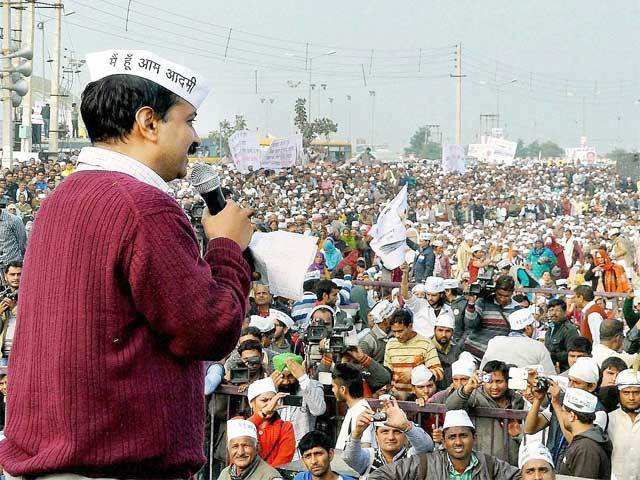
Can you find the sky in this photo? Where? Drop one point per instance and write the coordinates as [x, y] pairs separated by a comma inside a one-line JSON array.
[[553, 70]]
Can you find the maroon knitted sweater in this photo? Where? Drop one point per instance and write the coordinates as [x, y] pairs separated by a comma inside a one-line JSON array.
[[116, 312]]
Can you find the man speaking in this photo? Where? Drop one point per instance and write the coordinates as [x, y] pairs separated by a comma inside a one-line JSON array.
[[117, 309]]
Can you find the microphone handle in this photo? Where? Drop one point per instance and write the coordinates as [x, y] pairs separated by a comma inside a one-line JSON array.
[[215, 200]]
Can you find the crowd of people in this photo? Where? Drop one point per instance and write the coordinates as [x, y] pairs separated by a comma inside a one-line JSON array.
[[456, 329]]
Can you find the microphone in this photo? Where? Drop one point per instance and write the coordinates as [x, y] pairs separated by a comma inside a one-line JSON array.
[[207, 183]]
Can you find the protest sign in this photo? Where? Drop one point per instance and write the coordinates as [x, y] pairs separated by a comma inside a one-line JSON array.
[[245, 151], [501, 151], [453, 159], [282, 153], [477, 150]]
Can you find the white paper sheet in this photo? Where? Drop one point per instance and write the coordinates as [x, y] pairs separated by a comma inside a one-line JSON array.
[[283, 258]]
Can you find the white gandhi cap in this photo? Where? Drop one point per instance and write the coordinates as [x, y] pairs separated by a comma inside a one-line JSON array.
[[182, 81], [462, 368], [445, 319], [585, 369], [580, 400], [420, 375], [534, 451], [457, 418], [627, 378], [241, 428], [520, 319], [259, 387]]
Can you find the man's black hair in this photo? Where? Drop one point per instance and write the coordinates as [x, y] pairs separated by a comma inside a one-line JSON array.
[[249, 345], [13, 264], [505, 282], [109, 105], [496, 366], [613, 362], [315, 438], [309, 285], [585, 291], [583, 417], [325, 286], [255, 331], [557, 302], [402, 316], [580, 344], [350, 377]]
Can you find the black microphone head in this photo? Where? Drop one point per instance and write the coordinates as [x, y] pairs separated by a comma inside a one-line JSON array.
[[203, 178]]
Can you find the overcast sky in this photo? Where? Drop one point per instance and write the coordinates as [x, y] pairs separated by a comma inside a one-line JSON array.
[[561, 65]]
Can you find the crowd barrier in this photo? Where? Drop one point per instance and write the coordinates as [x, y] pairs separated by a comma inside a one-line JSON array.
[[331, 421]]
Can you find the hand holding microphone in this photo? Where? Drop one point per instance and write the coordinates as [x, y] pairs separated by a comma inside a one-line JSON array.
[[221, 219]]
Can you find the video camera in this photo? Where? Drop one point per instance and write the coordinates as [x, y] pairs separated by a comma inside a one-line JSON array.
[[240, 372], [315, 333], [484, 286], [196, 211]]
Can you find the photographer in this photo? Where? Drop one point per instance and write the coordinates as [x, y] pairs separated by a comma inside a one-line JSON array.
[[248, 367], [8, 307], [290, 377], [560, 333], [490, 389], [392, 436], [486, 317]]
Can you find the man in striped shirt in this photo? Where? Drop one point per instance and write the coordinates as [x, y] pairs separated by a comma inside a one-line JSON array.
[[406, 350], [13, 238]]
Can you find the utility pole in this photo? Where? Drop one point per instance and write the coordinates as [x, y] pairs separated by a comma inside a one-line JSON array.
[[458, 76], [27, 100], [55, 85], [7, 110]]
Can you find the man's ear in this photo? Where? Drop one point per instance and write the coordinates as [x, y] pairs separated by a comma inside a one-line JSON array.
[[331, 452], [146, 123]]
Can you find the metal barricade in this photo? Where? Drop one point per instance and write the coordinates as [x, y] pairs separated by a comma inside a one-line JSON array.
[[415, 412]]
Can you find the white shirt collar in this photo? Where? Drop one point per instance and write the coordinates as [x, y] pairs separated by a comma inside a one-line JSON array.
[[101, 159]]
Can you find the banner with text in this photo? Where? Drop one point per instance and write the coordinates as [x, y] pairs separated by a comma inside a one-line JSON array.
[[453, 159], [245, 151]]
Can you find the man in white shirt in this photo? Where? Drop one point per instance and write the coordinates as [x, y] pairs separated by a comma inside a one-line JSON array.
[[347, 386], [519, 348], [611, 341], [624, 428], [426, 310]]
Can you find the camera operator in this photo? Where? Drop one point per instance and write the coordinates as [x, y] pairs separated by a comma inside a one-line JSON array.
[[13, 236], [8, 307], [486, 317]]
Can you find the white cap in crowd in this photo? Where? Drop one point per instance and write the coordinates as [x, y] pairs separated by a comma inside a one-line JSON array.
[[425, 236], [382, 310], [281, 316], [257, 388], [628, 378], [580, 400], [585, 369], [420, 375], [419, 288], [445, 319], [534, 451], [520, 319], [434, 285], [240, 428], [462, 368], [264, 324], [457, 418], [451, 283]]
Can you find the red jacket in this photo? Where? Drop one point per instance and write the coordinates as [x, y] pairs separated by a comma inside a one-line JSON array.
[[585, 331], [117, 310], [276, 440]]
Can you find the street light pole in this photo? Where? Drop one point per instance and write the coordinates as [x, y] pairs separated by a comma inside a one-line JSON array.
[[333, 52], [25, 145], [7, 113], [55, 86]]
